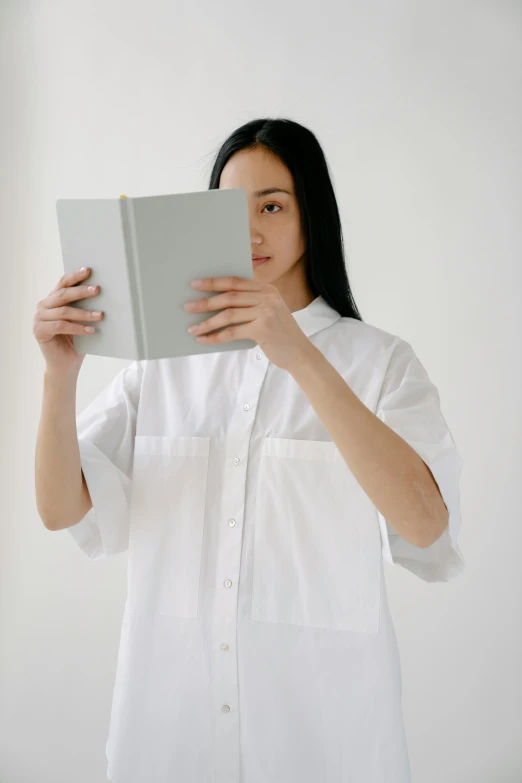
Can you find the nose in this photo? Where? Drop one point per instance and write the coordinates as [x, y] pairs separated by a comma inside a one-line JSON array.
[[255, 236]]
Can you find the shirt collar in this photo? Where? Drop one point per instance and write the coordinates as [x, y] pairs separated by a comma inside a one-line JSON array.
[[316, 316]]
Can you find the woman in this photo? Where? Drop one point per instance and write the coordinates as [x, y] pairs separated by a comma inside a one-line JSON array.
[[257, 493]]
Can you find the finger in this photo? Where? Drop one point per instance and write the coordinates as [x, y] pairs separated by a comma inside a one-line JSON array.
[[217, 302], [70, 313], [224, 319], [235, 332], [228, 284], [70, 294], [46, 330], [70, 278]]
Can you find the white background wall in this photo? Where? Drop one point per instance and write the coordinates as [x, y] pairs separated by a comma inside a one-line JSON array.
[[418, 108]]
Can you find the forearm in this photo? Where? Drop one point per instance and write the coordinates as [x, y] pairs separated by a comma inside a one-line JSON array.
[[61, 497], [392, 474]]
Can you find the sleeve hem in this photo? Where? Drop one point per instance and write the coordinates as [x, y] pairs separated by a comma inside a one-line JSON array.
[[103, 531], [443, 560], [87, 536]]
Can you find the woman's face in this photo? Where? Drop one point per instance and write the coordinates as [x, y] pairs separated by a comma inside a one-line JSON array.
[[275, 226]]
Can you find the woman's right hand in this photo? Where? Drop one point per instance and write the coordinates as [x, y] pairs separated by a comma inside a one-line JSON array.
[[54, 322]]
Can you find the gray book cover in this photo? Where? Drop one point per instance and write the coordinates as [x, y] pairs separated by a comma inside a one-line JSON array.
[[143, 253]]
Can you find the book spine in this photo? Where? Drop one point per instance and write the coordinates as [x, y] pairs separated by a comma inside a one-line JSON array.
[[132, 256]]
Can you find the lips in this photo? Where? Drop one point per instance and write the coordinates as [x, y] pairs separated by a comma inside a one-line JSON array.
[[257, 260]]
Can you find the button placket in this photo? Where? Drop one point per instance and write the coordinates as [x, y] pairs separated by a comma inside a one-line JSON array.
[[225, 674]]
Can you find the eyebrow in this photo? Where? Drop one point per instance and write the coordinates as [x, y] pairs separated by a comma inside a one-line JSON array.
[[268, 191]]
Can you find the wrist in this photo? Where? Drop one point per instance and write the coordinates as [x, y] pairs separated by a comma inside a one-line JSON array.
[[307, 355], [56, 377]]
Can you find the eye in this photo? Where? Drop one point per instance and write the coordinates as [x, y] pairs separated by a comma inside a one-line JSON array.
[[272, 205]]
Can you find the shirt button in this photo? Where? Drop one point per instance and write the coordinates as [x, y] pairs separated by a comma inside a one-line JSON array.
[[225, 708], [236, 460], [231, 522], [224, 646], [228, 583], [259, 355], [246, 407]]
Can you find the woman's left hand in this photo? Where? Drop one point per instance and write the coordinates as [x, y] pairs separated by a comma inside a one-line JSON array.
[[256, 311]]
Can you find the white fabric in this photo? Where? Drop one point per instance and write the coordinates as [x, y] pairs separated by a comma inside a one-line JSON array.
[[257, 644]]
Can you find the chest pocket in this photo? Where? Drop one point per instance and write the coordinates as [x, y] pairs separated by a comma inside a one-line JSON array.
[[317, 552], [166, 524]]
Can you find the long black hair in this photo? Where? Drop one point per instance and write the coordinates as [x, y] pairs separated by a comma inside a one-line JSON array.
[[299, 150]]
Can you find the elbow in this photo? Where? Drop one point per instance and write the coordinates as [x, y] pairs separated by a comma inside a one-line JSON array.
[[434, 531], [48, 525], [49, 522]]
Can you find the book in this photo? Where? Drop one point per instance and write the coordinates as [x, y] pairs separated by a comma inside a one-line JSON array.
[[144, 252]]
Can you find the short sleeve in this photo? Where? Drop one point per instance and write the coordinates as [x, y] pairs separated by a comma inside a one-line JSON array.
[[106, 431], [409, 404]]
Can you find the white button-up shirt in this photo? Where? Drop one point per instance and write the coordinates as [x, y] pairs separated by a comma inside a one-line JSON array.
[[256, 642]]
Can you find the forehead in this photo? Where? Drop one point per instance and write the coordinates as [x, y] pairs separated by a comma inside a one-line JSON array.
[[256, 172]]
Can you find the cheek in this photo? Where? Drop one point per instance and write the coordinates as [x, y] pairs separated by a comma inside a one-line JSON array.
[[287, 234], [294, 240]]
